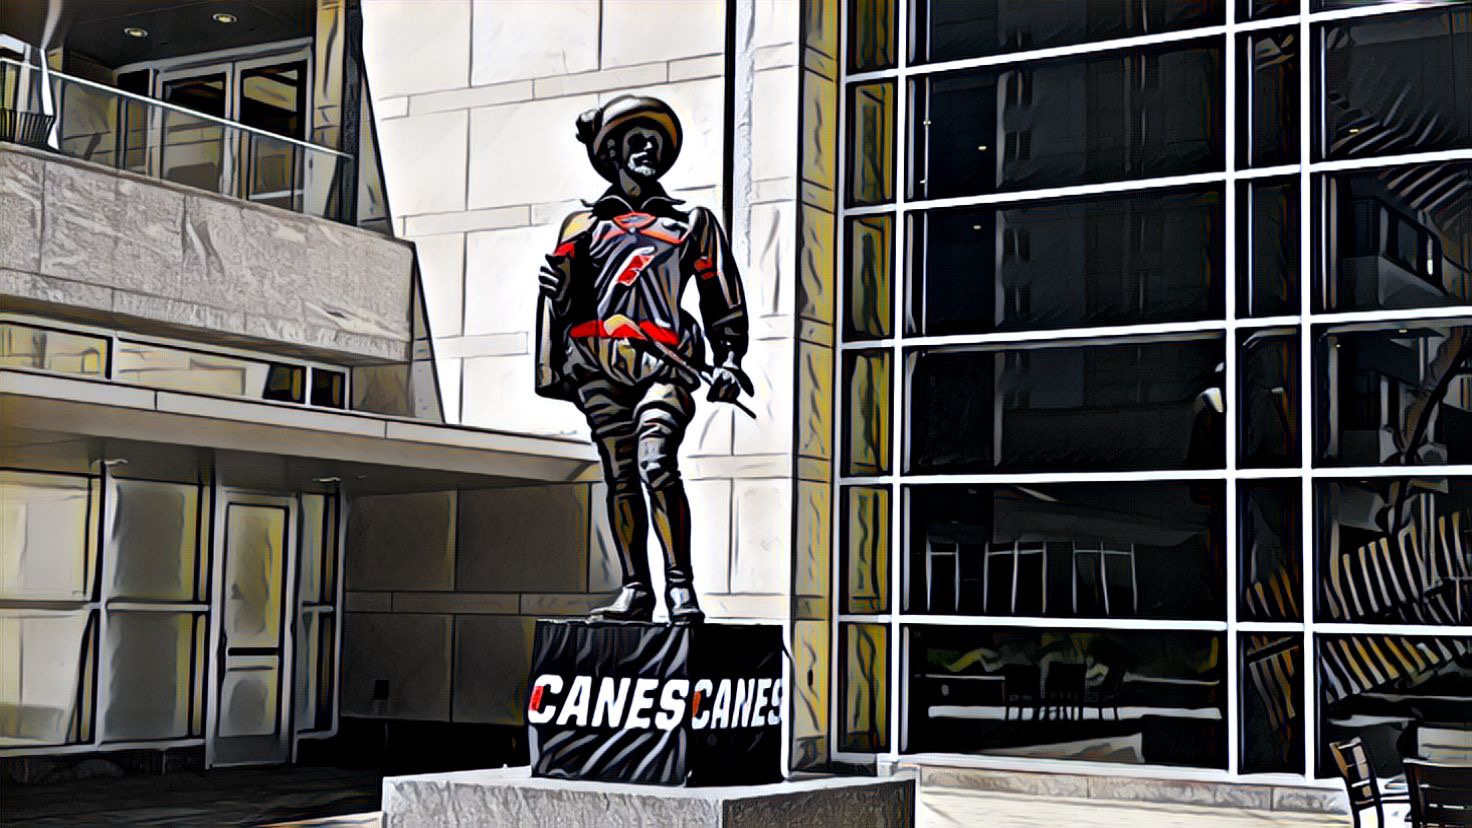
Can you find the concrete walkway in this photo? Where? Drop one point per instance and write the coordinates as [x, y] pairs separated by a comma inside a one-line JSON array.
[[947, 808]]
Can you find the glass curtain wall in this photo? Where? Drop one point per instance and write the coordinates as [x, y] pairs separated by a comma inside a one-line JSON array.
[[1140, 335]]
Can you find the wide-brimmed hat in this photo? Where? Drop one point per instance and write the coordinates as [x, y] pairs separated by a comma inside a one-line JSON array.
[[598, 125]]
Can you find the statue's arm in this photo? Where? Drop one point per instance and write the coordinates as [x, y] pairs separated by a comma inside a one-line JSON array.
[[722, 298]]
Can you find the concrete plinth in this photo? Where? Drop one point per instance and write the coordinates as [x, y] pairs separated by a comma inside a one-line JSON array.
[[511, 796]]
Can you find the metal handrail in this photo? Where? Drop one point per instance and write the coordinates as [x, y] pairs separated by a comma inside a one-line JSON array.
[[144, 99]]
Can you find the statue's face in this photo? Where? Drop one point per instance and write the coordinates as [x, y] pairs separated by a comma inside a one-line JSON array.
[[640, 150]]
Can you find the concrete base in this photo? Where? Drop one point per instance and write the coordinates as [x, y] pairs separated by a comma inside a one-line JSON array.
[[511, 796]]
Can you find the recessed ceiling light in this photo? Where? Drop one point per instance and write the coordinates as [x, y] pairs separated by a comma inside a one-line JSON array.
[[224, 17], [134, 31]]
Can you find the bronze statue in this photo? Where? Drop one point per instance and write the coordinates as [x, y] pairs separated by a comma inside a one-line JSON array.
[[612, 339]]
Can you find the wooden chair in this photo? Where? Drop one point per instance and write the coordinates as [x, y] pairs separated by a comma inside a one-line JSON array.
[[1359, 780], [1440, 795]]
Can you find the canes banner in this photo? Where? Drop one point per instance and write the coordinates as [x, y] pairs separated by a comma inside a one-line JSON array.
[[657, 704]]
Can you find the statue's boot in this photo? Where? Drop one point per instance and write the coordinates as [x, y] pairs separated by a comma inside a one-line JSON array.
[[672, 524], [635, 601]]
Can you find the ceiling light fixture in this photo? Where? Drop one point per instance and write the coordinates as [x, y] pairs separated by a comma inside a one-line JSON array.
[[224, 17], [134, 31]]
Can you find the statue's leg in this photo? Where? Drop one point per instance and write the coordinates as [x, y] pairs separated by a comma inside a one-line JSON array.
[[662, 417], [612, 424]]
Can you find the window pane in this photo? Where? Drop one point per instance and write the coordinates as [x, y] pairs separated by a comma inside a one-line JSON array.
[[1397, 84], [1260, 9], [1394, 550], [1403, 695], [319, 549], [158, 366], [315, 653], [866, 529], [1100, 260], [866, 414], [1268, 112], [255, 544], [1267, 264], [1393, 395], [869, 295], [865, 654], [25, 346], [1128, 696], [47, 664], [1068, 550], [155, 541], [47, 523], [153, 689], [1270, 673], [1267, 411], [1399, 237], [329, 388], [1269, 550], [966, 28], [1122, 404], [871, 33], [871, 153], [1129, 113]]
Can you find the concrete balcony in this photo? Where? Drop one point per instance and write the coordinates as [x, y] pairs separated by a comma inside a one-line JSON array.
[[89, 243]]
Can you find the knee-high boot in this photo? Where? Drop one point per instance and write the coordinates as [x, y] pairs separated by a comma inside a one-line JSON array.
[[672, 524]]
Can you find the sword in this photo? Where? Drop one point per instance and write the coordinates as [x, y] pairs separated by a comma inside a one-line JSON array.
[[620, 325]]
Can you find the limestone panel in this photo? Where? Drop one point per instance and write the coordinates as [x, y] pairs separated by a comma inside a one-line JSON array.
[[448, 371], [424, 162], [769, 363], [492, 656], [642, 31], [525, 539], [768, 280], [528, 153], [497, 393], [774, 114], [410, 654], [110, 230], [812, 564], [810, 676], [814, 401], [776, 22], [816, 266], [442, 273], [20, 211], [710, 537], [818, 138], [416, 45], [520, 39], [401, 542], [762, 524], [501, 278]]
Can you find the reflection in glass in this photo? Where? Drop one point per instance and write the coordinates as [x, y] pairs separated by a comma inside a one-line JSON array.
[[1269, 550], [962, 29], [1267, 264], [155, 542], [871, 143], [1268, 112], [315, 660], [47, 525], [153, 659], [159, 366], [47, 672], [1260, 9], [1405, 696], [1397, 84], [1113, 405], [26, 346], [318, 550], [1106, 116], [864, 652], [273, 98], [1127, 696], [1398, 237], [869, 295], [1270, 672], [1394, 550], [1393, 393], [866, 424], [1068, 550], [249, 693], [865, 534], [193, 151], [329, 388], [871, 34], [1267, 411], [255, 545], [1153, 256]]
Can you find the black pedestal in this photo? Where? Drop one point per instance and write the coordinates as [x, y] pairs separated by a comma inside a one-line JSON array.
[[657, 704]]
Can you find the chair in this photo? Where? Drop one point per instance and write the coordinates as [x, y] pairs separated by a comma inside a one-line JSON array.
[[1359, 780], [1440, 795], [1105, 695], [1020, 683], [1063, 690]]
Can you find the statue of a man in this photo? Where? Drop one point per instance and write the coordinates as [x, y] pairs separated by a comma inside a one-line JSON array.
[[613, 340]]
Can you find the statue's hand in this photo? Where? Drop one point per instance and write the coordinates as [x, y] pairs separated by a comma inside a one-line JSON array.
[[727, 381], [554, 279]]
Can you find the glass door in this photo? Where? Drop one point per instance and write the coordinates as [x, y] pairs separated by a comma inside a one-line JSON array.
[[253, 649], [195, 151], [271, 96]]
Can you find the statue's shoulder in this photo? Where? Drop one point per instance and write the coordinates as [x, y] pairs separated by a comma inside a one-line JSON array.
[[574, 224]]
